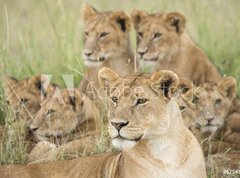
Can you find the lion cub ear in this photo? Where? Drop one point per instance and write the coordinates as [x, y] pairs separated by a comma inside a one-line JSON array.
[[88, 12], [122, 20], [185, 87], [137, 16], [228, 86], [106, 76], [165, 81], [8, 83], [175, 21]]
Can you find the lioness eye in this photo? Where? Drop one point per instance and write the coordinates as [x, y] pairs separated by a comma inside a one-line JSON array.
[[24, 100], [103, 34], [114, 99], [141, 101], [50, 111], [140, 34], [156, 35], [217, 101]]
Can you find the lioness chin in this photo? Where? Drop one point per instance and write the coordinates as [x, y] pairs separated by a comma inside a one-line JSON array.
[[145, 123]]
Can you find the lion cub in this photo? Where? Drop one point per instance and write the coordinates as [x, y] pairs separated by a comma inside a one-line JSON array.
[[145, 123], [66, 116], [162, 43], [25, 96], [106, 44]]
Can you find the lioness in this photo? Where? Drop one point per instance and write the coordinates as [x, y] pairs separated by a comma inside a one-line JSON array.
[[162, 43], [145, 123], [106, 44]]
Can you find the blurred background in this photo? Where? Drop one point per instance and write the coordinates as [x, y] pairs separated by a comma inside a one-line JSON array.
[[46, 36]]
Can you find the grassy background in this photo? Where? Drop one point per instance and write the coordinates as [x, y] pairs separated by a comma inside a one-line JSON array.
[[46, 36]]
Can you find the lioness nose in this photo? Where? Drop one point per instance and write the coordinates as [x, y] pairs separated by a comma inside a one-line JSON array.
[[88, 52], [142, 51], [119, 125]]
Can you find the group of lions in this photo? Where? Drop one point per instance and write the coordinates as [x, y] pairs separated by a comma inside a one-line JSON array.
[[155, 121]]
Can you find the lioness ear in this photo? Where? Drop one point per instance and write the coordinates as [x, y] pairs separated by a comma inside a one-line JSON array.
[[175, 21], [122, 20], [88, 12], [166, 81], [228, 85], [137, 16], [106, 76]]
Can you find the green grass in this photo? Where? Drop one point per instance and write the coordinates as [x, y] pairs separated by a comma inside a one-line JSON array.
[[46, 37]]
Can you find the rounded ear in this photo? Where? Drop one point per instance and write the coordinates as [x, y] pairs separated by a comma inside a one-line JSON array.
[[165, 81], [72, 97], [88, 12], [106, 76], [39, 82], [137, 16], [122, 20], [8, 83], [175, 21], [185, 87], [228, 86]]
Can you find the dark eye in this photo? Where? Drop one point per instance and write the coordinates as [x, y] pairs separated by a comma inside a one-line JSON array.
[[140, 34], [218, 101], [114, 99], [141, 101], [86, 33], [156, 35], [182, 108], [50, 111], [103, 34], [24, 100]]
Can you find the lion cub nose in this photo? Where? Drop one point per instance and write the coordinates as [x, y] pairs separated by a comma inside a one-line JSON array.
[[119, 125], [142, 51], [88, 52]]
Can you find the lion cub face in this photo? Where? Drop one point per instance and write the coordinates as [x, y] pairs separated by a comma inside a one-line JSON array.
[[212, 104], [158, 35], [106, 35], [25, 95], [60, 114], [138, 105]]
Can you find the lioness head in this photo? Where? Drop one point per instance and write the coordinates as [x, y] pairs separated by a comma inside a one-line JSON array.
[[158, 35], [106, 35], [62, 113], [140, 105], [25, 95], [212, 104]]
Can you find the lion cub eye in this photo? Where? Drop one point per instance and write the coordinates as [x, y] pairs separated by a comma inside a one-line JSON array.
[[114, 99], [50, 111], [140, 34], [141, 101], [218, 101], [103, 34], [24, 100], [182, 108], [86, 33], [156, 35]]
